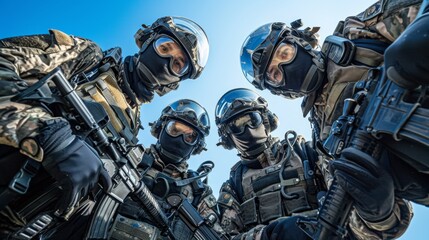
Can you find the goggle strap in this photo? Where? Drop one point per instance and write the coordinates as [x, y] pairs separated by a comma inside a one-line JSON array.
[[308, 78]]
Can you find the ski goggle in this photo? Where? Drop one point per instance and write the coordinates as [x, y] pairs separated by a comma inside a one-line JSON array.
[[165, 46], [284, 53], [175, 128], [250, 119]]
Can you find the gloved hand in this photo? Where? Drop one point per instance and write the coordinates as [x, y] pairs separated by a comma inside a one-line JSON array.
[[369, 184], [75, 166], [283, 229]]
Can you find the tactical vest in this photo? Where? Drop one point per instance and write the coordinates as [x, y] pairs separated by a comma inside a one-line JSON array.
[[123, 118], [283, 189], [371, 32], [124, 227]]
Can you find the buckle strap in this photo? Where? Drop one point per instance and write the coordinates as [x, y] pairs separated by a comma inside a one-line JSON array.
[[20, 183]]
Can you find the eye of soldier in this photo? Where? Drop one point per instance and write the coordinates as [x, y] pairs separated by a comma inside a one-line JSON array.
[[167, 47], [175, 128], [284, 53]]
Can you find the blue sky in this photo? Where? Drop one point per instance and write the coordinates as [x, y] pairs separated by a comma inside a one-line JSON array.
[[227, 24]]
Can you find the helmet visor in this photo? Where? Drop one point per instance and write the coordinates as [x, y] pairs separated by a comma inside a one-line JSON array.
[[175, 128], [168, 48], [234, 102], [284, 53], [192, 113], [198, 48], [249, 119], [253, 41], [257, 49]]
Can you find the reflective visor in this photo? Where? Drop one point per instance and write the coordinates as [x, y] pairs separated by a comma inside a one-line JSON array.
[[284, 53], [250, 119], [168, 47], [234, 102], [257, 49], [175, 128]]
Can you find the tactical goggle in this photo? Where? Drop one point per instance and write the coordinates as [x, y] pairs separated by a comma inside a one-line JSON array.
[[250, 119], [175, 128], [284, 53], [165, 46]]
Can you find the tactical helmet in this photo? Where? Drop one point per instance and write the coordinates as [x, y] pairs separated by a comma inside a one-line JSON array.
[[235, 103], [187, 33], [189, 112], [258, 48]]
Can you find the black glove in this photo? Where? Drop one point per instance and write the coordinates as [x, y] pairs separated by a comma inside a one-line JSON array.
[[75, 166], [284, 229], [369, 184]]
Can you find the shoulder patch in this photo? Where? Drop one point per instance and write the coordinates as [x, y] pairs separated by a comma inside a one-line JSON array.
[[371, 12], [225, 199]]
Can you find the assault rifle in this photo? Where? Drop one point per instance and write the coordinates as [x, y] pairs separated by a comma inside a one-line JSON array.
[[119, 158], [381, 113], [192, 218]]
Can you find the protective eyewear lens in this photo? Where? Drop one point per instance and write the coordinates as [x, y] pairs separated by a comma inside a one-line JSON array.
[[284, 53], [168, 47], [175, 129], [251, 119]]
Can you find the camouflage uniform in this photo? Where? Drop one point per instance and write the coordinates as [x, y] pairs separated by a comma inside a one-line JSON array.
[[384, 21], [244, 186], [371, 31], [202, 199], [24, 60]]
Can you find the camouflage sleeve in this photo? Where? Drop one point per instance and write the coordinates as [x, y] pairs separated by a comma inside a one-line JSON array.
[[24, 60], [392, 227], [32, 57], [384, 20], [208, 210], [229, 209]]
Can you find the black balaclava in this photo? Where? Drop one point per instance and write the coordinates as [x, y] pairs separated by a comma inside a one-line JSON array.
[[154, 69], [296, 72], [142, 89], [251, 140], [173, 149]]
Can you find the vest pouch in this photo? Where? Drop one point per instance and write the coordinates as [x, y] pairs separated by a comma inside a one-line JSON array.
[[248, 212], [297, 204], [105, 90], [269, 207], [341, 84], [127, 228]]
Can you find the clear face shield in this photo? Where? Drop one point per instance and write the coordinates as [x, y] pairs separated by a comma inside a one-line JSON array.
[[167, 47], [190, 112], [257, 49], [194, 40]]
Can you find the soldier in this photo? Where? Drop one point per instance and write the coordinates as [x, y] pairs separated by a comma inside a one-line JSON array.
[[283, 60], [181, 130], [172, 49], [277, 179]]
